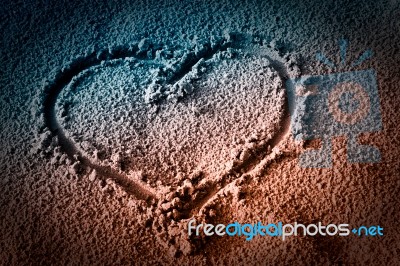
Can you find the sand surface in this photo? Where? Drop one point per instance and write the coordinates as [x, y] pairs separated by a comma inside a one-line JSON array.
[[122, 120]]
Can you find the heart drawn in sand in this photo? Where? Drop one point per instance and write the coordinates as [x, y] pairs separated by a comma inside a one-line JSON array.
[[169, 124]]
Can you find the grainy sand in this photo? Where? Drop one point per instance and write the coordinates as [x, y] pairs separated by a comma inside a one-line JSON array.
[[121, 121]]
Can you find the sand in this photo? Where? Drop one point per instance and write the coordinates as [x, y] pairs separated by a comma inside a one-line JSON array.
[[122, 121]]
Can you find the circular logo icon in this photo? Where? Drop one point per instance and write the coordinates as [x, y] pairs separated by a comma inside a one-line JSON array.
[[359, 95]]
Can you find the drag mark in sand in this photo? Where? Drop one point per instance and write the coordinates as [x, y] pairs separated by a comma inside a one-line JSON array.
[[137, 189]]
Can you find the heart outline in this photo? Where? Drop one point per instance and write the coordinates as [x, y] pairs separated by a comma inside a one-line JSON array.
[[138, 190]]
